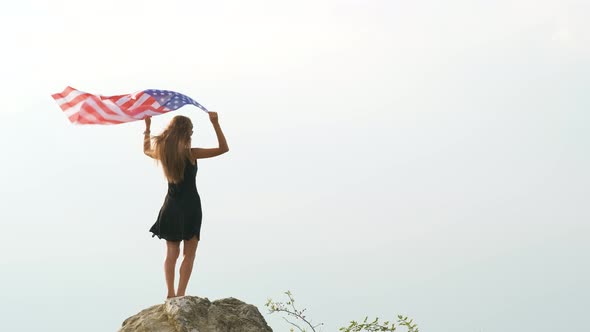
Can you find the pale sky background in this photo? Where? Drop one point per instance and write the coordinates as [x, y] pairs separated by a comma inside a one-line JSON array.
[[425, 158]]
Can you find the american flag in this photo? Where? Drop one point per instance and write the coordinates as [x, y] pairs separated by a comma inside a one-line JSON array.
[[85, 108]]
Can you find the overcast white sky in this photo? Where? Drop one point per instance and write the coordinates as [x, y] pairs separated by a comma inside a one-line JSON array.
[[424, 158]]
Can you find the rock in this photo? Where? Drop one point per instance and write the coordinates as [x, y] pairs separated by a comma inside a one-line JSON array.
[[196, 314]]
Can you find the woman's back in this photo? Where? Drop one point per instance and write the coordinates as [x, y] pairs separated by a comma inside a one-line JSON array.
[[188, 183]]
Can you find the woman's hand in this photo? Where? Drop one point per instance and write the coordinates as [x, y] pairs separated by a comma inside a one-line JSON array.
[[148, 122], [213, 117]]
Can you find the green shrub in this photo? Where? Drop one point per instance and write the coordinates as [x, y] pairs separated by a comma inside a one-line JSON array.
[[374, 326]]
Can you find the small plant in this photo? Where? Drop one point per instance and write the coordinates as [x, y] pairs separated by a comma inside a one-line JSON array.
[[374, 326], [289, 309]]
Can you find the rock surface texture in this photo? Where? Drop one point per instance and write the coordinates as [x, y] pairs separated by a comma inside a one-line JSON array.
[[196, 314]]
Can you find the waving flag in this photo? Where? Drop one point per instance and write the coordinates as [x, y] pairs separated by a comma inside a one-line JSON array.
[[85, 108]]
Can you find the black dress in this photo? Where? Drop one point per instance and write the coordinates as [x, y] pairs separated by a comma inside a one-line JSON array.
[[180, 215]]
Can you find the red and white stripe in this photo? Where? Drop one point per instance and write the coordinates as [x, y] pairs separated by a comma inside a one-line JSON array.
[[85, 108]]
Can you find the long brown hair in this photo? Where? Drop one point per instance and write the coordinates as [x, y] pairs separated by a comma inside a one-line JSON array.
[[173, 146]]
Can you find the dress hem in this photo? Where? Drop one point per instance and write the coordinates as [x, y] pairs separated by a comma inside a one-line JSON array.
[[174, 239]]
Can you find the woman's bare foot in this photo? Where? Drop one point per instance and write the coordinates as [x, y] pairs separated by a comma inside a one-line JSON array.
[[170, 296]]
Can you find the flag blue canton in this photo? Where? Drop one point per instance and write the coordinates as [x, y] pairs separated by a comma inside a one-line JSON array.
[[172, 100]]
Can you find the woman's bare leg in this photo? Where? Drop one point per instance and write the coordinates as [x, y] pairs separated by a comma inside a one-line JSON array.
[[189, 252], [172, 253]]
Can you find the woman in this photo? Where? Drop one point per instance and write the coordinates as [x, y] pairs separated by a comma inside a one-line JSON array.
[[180, 216]]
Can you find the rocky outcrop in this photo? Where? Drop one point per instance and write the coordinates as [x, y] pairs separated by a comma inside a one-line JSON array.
[[195, 314]]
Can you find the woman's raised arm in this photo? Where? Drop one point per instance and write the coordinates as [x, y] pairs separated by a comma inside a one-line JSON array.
[[200, 153], [147, 142]]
